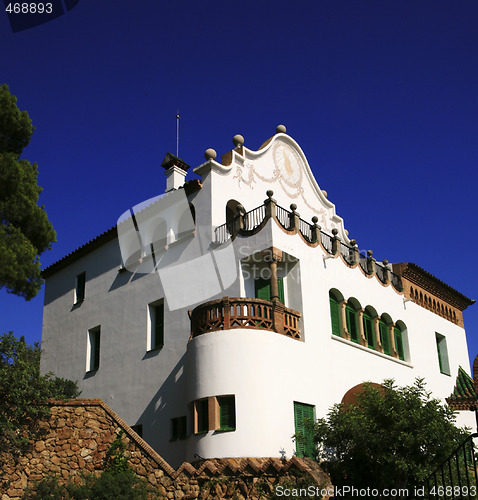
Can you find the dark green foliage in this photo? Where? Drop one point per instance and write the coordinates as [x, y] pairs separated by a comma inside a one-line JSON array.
[[392, 437], [25, 231], [24, 393]]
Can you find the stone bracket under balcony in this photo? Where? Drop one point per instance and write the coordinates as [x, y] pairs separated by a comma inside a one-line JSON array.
[[247, 313]]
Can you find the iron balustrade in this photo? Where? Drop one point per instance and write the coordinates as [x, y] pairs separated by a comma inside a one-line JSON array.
[[254, 218], [326, 241], [283, 217], [248, 313], [306, 230], [457, 477], [348, 253]]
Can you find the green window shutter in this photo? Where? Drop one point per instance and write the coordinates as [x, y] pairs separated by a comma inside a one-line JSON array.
[[303, 418], [399, 344], [440, 361], [352, 327], [227, 413], [280, 284], [335, 316], [384, 339], [202, 415], [263, 289], [368, 329], [158, 326]]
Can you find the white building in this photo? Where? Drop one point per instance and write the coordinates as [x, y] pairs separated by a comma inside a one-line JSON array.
[[218, 338]]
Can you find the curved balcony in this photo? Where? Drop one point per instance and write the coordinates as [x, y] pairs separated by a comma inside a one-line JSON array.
[[237, 312]]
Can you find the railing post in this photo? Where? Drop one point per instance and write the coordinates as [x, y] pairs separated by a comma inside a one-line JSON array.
[[370, 262], [315, 229], [353, 244], [294, 218], [278, 316], [270, 204], [386, 271], [335, 242], [226, 312]]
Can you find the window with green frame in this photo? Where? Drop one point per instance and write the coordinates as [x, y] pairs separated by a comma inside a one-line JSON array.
[[399, 343], [334, 314], [442, 354], [304, 436], [227, 413], [368, 329], [384, 336], [263, 289], [352, 323], [156, 316]]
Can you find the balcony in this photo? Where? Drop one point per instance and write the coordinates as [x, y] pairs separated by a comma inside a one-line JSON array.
[[237, 312]]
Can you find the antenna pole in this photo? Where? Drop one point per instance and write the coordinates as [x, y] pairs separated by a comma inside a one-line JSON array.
[[177, 133]]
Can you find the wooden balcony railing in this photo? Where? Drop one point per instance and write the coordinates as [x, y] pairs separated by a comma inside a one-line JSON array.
[[237, 312]]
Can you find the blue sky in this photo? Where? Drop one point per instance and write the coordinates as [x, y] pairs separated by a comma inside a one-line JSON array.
[[382, 96]]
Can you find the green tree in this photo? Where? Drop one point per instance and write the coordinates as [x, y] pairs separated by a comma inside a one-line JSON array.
[[24, 394], [389, 437], [25, 231]]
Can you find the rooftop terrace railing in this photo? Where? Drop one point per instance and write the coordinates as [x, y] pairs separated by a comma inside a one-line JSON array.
[[247, 223]]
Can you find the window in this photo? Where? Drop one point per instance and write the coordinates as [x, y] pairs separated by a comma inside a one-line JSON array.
[[352, 325], [399, 343], [227, 413], [263, 289], [334, 314], [201, 415], [442, 354], [80, 288], [368, 329], [178, 428], [138, 428], [93, 350], [156, 325], [384, 336], [304, 437]]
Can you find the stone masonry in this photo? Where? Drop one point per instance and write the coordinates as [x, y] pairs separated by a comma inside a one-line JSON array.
[[79, 432]]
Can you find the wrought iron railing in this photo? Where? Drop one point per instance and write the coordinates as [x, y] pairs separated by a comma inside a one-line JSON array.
[[457, 477], [248, 313], [254, 218]]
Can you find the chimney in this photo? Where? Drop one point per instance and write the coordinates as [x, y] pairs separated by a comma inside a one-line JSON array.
[[176, 171]]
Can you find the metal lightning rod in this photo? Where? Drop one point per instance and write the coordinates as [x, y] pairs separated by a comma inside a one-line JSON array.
[[177, 133]]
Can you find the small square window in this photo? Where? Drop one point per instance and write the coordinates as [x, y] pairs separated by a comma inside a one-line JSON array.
[[80, 288], [93, 349], [138, 428], [178, 428]]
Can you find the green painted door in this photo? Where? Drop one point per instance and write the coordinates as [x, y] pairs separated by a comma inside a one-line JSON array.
[[303, 420]]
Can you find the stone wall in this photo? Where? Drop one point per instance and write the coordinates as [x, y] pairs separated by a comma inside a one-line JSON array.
[[79, 432]]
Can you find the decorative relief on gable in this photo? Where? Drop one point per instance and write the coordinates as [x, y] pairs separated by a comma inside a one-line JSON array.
[[288, 169]]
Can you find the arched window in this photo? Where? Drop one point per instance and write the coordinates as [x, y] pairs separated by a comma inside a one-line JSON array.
[[368, 328], [352, 322], [398, 333], [384, 335], [335, 313]]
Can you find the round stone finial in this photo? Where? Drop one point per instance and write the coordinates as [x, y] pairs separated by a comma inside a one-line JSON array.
[[353, 242], [385, 262], [369, 253], [335, 231], [238, 140], [315, 219], [346, 232], [324, 192], [280, 129], [293, 207], [210, 154], [269, 193]]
